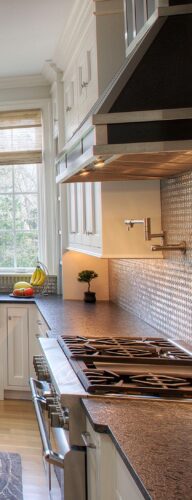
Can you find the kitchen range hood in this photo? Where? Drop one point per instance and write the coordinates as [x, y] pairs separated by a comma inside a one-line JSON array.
[[141, 126]]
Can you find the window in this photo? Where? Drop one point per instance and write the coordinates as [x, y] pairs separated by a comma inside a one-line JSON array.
[[20, 159]]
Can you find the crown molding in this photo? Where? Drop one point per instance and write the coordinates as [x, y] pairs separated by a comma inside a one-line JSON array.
[[68, 44], [51, 72], [23, 81]]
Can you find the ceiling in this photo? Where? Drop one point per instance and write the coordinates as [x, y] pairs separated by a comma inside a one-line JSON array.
[[29, 33]]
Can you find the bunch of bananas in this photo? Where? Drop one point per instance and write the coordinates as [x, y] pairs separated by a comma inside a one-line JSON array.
[[39, 276]]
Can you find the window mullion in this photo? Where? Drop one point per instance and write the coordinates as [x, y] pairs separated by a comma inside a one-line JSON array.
[[14, 225]]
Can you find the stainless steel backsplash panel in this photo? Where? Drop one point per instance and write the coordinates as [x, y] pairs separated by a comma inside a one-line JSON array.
[[160, 291]]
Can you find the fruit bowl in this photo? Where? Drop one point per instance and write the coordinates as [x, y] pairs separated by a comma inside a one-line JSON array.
[[21, 296]]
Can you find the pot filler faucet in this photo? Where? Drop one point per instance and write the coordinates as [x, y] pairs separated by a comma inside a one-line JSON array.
[[149, 235]]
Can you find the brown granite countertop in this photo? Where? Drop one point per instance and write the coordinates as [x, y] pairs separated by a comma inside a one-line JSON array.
[[79, 318], [154, 439]]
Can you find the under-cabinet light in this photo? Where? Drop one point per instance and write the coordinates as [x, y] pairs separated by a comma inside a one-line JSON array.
[[84, 173], [99, 163]]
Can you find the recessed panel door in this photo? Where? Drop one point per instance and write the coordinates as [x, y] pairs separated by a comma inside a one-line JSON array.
[[18, 347]]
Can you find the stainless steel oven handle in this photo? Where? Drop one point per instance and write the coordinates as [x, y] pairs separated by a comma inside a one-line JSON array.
[[33, 384], [50, 456]]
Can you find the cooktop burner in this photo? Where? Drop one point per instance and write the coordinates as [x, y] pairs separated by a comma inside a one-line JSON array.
[[107, 382], [123, 349]]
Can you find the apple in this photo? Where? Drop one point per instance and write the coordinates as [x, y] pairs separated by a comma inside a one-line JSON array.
[[19, 292], [28, 292]]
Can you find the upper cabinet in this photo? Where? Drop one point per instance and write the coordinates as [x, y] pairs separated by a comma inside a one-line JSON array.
[[57, 110], [96, 215], [98, 53]]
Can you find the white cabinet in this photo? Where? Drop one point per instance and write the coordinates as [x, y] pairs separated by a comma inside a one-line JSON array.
[[95, 52], [84, 221], [96, 214], [70, 102], [57, 111], [17, 346], [108, 478], [87, 76], [37, 328], [100, 466], [21, 325], [126, 488]]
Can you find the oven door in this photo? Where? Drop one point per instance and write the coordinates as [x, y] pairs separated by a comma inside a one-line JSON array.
[[64, 462]]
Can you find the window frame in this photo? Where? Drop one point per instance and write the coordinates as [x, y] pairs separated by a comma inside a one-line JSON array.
[[14, 231], [48, 221]]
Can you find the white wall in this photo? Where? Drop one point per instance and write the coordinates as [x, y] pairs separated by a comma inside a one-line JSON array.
[[73, 263]]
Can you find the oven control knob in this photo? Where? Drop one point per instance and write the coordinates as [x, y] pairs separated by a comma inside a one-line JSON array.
[[57, 419], [52, 408], [49, 401]]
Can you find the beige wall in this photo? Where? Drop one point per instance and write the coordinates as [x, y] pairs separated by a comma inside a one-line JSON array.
[[73, 263]]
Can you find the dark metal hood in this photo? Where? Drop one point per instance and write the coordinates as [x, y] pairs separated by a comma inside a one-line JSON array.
[[141, 126]]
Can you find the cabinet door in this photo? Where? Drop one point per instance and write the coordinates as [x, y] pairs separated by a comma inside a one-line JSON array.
[[37, 328], [100, 467], [75, 213], [70, 104], [84, 217], [72, 204], [126, 488], [17, 345], [55, 110], [92, 214], [89, 212], [87, 76]]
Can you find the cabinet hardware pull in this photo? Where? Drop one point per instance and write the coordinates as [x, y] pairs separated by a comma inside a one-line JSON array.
[[68, 108], [9, 317], [84, 84], [37, 335], [86, 439]]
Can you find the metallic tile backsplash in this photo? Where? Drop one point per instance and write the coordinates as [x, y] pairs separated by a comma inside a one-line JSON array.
[[7, 282], [160, 291]]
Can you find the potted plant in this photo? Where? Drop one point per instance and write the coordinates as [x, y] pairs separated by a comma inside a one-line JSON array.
[[87, 276]]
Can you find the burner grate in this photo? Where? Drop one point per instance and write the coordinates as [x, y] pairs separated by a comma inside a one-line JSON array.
[[97, 381], [123, 349]]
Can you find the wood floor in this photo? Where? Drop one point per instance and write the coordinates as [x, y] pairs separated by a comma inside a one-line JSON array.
[[19, 434]]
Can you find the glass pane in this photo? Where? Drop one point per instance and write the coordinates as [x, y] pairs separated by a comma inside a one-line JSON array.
[[25, 178], [6, 212], [139, 14], [6, 249], [26, 211], [6, 179], [150, 7], [26, 249]]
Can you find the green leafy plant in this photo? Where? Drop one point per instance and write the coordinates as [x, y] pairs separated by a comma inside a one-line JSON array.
[[87, 276]]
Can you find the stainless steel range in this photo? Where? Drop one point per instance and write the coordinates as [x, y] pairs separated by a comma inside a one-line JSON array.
[[117, 367]]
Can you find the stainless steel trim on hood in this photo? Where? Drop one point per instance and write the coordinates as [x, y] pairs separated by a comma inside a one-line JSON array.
[[98, 145]]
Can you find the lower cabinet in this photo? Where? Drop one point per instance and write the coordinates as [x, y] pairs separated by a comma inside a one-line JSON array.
[[107, 476], [17, 346], [21, 325]]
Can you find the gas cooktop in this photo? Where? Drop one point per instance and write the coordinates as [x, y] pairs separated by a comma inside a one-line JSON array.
[[133, 365]]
